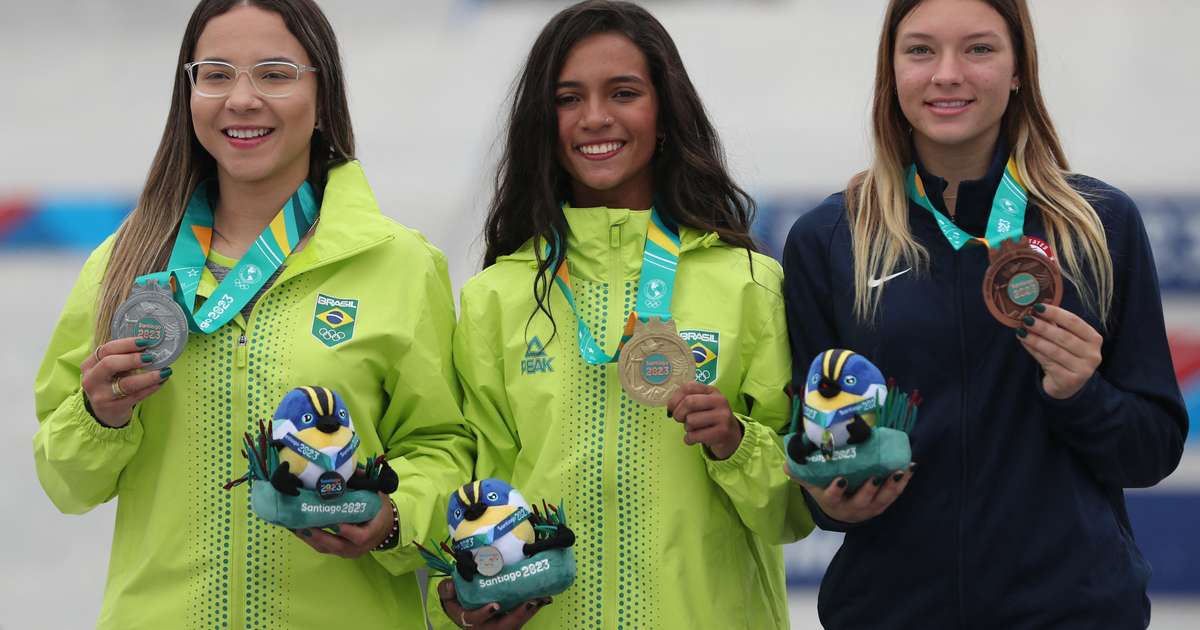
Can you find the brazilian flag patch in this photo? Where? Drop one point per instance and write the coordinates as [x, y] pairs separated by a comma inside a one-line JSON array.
[[333, 319], [705, 345]]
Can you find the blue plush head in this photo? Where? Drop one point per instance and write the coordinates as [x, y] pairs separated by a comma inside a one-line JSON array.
[[471, 500], [313, 407], [838, 380]]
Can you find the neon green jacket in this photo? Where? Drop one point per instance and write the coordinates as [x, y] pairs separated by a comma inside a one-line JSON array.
[[667, 537], [188, 554]]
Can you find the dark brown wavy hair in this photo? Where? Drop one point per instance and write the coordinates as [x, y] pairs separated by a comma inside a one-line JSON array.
[[692, 186]]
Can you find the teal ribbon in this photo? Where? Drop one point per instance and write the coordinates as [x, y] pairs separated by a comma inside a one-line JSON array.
[[656, 286], [827, 419], [265, 256], [499, 531], [323, 461], [1005, 221]]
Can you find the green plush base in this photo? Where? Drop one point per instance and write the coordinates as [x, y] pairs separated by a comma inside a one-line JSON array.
[[309, 510], [542, 575], [885, 452]]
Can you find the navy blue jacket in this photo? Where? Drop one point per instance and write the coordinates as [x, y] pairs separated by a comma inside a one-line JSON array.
[[1015, 516]]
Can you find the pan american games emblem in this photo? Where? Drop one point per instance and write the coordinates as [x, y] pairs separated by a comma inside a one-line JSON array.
[[333, 319]]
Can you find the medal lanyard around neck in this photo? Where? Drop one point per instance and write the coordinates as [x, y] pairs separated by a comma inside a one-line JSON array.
[[1006, 220], [259, 263], [660, 258]]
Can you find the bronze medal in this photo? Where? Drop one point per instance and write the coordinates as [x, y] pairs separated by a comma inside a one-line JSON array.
[[655, 362], [1018, 277]]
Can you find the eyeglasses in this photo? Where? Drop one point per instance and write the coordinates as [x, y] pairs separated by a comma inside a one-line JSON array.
[[273, 79]]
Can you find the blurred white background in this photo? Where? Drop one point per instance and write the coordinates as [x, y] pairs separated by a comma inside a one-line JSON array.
[[87, 84]]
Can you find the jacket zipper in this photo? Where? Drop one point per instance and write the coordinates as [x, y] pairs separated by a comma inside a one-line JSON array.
[[962, 428]]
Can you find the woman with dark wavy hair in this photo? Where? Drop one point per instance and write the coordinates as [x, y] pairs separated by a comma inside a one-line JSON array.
[[271, 240], [614, 213]]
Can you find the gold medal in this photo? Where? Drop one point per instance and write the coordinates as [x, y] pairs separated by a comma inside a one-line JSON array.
[[655, 362], [1018, 277]]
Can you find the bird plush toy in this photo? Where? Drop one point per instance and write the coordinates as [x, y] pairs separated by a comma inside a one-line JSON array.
[[308, 457], [317, 444], [856, 420], [842, 393], [501, 549]]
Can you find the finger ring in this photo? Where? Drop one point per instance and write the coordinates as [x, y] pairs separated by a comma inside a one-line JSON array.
[[117, 392], [96, 354], [463, 617]]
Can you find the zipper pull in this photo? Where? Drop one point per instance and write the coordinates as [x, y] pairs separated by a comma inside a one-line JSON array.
[[614, 236], [240, 353]]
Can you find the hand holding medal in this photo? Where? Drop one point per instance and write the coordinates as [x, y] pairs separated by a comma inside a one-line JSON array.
[[1065, 346], [111, 383], [706, 418]]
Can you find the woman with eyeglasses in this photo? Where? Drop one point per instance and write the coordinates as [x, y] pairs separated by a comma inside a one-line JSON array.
[[257, 222], [1046, 393], [618, 259]]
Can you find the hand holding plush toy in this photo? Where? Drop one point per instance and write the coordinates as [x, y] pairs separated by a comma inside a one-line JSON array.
[[502, 550]]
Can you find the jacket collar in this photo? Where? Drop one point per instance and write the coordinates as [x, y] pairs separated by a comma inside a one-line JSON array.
[[974, 196], [591, 234], [349, 221]]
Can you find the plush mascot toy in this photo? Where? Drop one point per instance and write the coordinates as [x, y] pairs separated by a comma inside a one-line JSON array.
[[502, 550], [855, 424], [310, 465]]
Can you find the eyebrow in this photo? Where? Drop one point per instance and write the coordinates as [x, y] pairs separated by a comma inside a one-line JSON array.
[[267, 60], [976, 35], [624, 78]]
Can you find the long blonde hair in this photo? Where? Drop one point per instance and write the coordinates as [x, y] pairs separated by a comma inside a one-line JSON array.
[[144, 241], [878, 206]]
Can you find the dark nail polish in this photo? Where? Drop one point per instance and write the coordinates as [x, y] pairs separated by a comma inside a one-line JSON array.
[[494, 608], [306, 533], [147, 357], [897, 477], [669, 414], [1021, 332], [1039, 307], [841, 483], [142, 343], [164, 373], [876, 481], [530, 605], [1028, 320], [912, 466]]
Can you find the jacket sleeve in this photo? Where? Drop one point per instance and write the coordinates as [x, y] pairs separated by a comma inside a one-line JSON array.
[[427, 443], [808, 299], [78, 460], [1128, 423], [753, 477]]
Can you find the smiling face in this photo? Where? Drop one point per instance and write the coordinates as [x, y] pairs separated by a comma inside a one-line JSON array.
[[955, 70], [607, 122], [254, 138]]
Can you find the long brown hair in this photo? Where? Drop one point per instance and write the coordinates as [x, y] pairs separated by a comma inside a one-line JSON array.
[[691, 183], [878, 206], [143, 242]]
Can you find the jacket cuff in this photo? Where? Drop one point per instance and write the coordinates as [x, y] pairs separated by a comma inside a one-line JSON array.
[[1079, 405], [76, 416], [744, 452]]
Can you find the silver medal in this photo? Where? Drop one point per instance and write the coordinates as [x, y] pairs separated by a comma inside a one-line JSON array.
[[150, 313], [489, 561]]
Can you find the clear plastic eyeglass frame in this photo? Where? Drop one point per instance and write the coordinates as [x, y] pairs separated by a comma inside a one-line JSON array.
[[274, 92]]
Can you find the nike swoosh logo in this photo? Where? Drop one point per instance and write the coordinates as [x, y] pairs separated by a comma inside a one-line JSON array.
[[875, 282]]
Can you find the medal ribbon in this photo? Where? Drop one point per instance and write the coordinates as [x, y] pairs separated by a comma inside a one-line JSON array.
[[503, 527], [265, 256], [1006, 220], [660, 259], [325, 462]]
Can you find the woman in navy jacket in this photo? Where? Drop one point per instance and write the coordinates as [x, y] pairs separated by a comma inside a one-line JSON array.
[[1027, 440]]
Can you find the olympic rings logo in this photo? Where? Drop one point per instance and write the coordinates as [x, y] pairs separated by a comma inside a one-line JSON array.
[[331, 335], [703, 376]]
